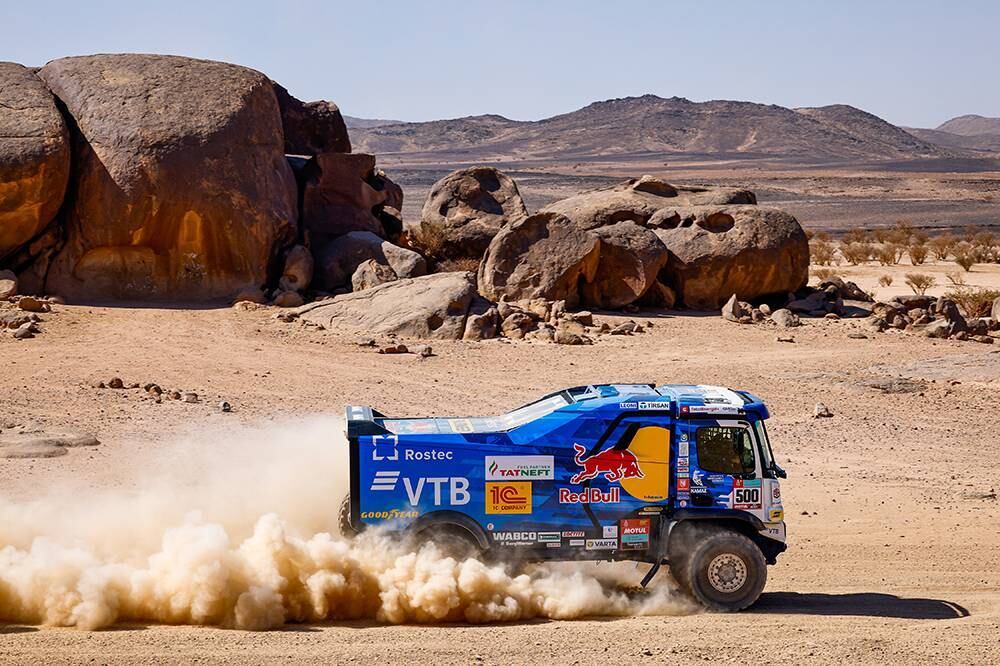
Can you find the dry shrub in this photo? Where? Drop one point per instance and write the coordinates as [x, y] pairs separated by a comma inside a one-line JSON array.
[[428, 240], [920, 282], [823, 274], [460, 264], [965, 255], [856, 253], [918, 254], [889, 254], [822, 252], [955, 278], [984, 247], [942, 246], [974, 301], [856, 236], [885, 280]]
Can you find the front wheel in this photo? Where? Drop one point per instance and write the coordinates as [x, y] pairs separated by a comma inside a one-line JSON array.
[[344, 519], [725, 571]]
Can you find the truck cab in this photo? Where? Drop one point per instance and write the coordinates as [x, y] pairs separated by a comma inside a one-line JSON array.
[[682, 475]]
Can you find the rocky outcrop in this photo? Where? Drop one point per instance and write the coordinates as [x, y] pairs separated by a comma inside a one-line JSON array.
[[718, 251], [338, 259], [311, 128], [34, 157], [631, 257], [181, 188], [432, 306], [340, 195], [542, 256], [465, 210]]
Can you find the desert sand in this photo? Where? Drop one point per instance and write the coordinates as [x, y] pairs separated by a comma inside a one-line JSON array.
[[892, 511]]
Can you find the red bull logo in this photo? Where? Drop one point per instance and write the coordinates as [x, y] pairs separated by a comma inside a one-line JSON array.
[[614, 464]]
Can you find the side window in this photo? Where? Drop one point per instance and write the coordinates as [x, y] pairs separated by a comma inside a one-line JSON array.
[[725, 450]]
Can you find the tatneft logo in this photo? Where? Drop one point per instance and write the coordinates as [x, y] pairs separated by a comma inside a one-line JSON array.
[[525, 468], [453, 491]]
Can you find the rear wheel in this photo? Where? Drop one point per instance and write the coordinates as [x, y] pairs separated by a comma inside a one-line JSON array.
[[725, 571], [451, 540], [344, 519]]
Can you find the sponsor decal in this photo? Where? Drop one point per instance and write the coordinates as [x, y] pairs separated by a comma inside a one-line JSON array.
[[602, 544], [462, 426], [714, 409], [549, 537], [609, 531], [554, 545], [574, 534], [515, 538], [635, 533], [392, 514], [683, 503], [684, 437], [384, 447], [651, 509], [683, 447], [776, 515], [509, 497], [775, 492], [645, 405], [698, 477], [639, 465], [524, 468], [746, 494], [432, 454], [453, 490], [590, 496], [684, 484], [577, 542], [700, 490], [683, 465], [684, 496]]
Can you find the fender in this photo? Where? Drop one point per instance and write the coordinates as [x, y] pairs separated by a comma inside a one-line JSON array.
[[718, 514], [452, 518]]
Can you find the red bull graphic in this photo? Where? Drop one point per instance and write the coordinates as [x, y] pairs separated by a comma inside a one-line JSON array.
[[614, 464]]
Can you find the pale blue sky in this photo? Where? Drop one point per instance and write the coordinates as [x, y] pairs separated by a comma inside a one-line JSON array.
[[912, 62]]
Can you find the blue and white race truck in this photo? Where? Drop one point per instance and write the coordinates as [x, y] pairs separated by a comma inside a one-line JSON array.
[[675, 474]]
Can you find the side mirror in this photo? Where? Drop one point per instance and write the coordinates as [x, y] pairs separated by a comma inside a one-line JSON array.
[[780, 473]]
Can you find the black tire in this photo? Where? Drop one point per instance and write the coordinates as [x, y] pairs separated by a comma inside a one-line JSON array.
[[452, 540], [344, 519], [724, 570]]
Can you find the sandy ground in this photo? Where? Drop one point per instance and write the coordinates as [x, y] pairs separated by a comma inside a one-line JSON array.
[[894, 523]]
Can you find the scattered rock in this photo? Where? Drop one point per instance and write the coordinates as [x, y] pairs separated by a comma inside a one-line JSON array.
[[250, 295], [298, 271], [984, 339], [583, 317], [288, 299], [625, 328], [821, 411], [225, 407], [370, 274], [481, 326], [423, 351], [564, 337], [785, 318], [732, 310], [190, 397], [365, 342], [153, 389], [175, 395], [8, 281], [517, 324], [785, 338], [116, 383], [857, 335], [393, 349], [833, 316], [32, 304], [894, 385], [26, 330]]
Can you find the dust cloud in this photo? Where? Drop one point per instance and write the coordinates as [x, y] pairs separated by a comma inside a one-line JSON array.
[[237, 529]]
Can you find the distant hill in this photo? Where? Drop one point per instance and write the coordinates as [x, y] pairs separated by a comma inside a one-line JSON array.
[[971, 125], [989, 143], [366, 123], [651, 124]]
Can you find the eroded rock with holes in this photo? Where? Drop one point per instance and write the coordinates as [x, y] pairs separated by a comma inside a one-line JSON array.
[[749, 251], [465, 210], [338, 259], [431, 306], [630, 258]]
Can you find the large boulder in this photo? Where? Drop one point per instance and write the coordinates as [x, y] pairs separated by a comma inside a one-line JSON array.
[[995, 311], [311, 128], [340, 195], [718, 251], [432, 306], [34, 157], [465, 210], [631, 257], [646, 201], [338, 259], [181, 188], [542, 256]]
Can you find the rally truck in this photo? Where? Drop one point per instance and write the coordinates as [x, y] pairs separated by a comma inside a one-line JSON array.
[[681, 475]]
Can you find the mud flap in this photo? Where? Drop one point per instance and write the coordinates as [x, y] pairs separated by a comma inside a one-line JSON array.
[[662, 542]]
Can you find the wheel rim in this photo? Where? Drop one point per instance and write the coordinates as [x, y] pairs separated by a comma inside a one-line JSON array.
[[727, 572]]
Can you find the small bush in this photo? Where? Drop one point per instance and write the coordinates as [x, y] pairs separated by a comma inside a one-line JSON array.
[[856, 253], [942, 246], [888, 254], [885, 280], [823, 274], [974, 301], [965, 256], [918, 254], [920, 282], [460, 264], [955, 278], [822, 252], [856, 236]]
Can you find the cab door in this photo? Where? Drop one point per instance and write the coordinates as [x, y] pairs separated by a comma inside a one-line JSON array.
[[723, 469]]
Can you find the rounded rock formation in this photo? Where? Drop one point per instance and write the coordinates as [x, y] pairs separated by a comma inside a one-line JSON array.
[[181, 188], [630, 260], [34, 157], [465, 210], [715, 252]]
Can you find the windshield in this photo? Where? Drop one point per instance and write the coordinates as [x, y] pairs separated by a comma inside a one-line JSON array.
[[765, 444]]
